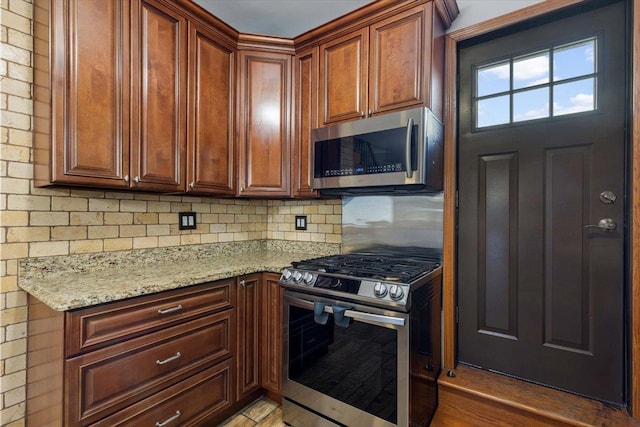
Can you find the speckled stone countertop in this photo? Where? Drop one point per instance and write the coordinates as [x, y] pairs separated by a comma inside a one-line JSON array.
[[76, 281]]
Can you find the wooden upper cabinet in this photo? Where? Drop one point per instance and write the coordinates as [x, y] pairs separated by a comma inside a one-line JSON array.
[[210, 164], [264, 122], [306, 119], [397, 73], [82, 111], [343, 77], [385, 66], [159, 87]]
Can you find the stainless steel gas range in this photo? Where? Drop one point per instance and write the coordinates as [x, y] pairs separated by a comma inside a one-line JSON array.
[[362, 336]]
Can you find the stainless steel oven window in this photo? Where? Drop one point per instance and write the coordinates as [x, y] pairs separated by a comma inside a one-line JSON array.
[[357, 375]]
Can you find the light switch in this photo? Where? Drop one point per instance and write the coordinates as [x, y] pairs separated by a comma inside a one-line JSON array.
[[187, 220], [301, 222]]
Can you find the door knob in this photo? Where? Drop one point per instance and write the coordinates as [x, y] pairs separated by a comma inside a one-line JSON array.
[[605, 224]]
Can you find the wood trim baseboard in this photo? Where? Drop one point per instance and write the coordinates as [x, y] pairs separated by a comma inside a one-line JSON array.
[[450, 120]]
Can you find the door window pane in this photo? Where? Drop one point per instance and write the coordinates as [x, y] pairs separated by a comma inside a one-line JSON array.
[[531, 104], [519, 89], [493, 79], [531, 70], [493, 111], [574, 60], [574, 97]]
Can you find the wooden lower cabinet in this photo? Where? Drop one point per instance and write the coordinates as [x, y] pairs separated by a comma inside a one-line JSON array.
[[271, 335], [190, 356]]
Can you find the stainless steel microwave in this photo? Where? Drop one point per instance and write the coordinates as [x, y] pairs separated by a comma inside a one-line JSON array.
[[395, 152]]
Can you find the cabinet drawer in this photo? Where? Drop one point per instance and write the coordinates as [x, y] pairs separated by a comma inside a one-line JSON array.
[[189, 403], [96, 327], [107, 380]]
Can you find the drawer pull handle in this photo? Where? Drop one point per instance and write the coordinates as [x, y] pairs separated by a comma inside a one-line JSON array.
[[168, 420], [169, 359], [170, 310]]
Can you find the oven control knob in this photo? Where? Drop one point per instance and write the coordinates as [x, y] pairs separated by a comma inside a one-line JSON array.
[[308, 278], [297, 276], [286, 275], [380, 290], [396, 292]]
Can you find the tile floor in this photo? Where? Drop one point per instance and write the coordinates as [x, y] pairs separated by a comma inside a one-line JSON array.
[[261, 413]]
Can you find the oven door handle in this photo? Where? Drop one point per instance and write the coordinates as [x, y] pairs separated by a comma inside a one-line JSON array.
[[356, 315]]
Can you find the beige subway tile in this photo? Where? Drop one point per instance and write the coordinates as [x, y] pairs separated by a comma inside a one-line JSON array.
[[103, 231], [14, 380], [48, 218], [158, 230], [119, 195], [120, 218], [190, 239], [226, 218], [325, 209], [22, 8], [317, 237], [87, 194], [166, 241], [19, 137], [225, 237], [14, 250], [218, 208], [12, 316], [15, 153], [147, 197], [333, 219], [27, 234], [49, 191], [69, 204], [208, 238], [167, 218], [15, 185], [12, 267], [15, 396], [175, 230], [249, 210], [121, 244], [311, 209], [12, 53], [203, 208], [28, 203], [86, 246], [133, 206], [241, 218], [16, 331], [145, 218], [209, 218], [86, 218], [133, 231], [13, 416], [17, 88], [217, 228], [318, 219], [312, 228], [180, 207], [233, 227], [18, 104], [48, 248], [145, 242], [104, 205], [9, 283], [170, 198], [333, 238], [13, 218], [155, 206], [74, 232], [20, 170]]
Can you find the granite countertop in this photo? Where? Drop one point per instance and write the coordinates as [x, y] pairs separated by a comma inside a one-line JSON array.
[[76, 281]]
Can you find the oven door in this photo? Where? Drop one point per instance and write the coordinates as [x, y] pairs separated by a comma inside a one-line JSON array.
[[355, 375]]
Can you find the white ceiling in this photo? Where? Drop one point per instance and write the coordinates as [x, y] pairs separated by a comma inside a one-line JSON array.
[[285, 18]]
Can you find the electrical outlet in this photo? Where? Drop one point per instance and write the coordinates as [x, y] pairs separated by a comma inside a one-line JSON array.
[[301, 222], [187, 220]]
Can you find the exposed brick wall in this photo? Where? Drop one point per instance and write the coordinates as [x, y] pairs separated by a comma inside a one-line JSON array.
[[59, 221]]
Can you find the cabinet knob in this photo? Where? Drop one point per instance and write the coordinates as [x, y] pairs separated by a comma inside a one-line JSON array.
[[362, 114], [126, 178], [136, 179], [241, 189], [191, 185], [243, 283], [370, 113]]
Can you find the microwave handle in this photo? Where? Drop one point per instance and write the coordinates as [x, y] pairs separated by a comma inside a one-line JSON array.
[[407, 148]]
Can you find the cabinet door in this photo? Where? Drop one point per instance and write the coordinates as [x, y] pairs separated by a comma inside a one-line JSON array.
[[90, 92], [265, 108], [271, 335], [306, 119], [343, 77], [210, 161], [160, 80], [397, 69], [248, 328]]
